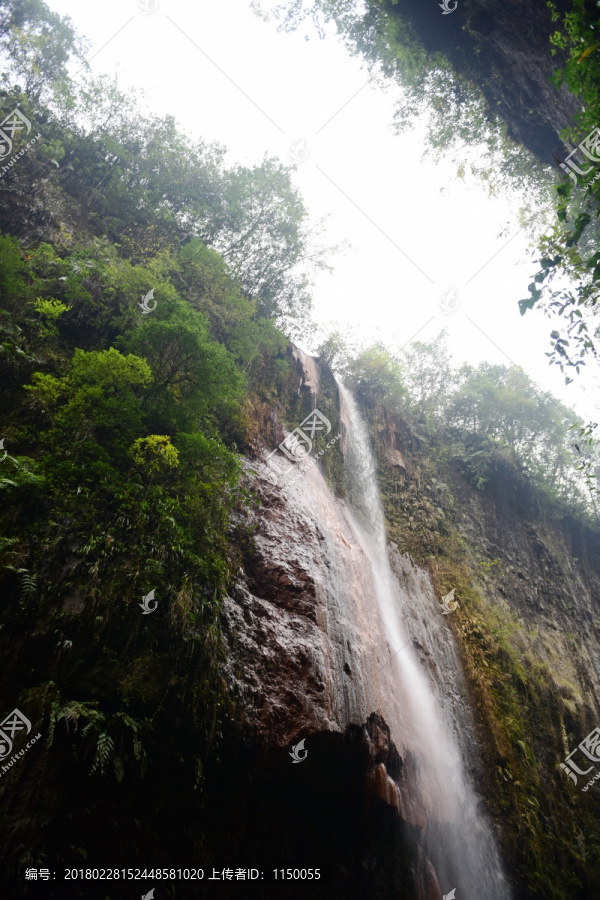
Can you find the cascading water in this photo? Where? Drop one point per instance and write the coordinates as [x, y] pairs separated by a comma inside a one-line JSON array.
[[458, 839]]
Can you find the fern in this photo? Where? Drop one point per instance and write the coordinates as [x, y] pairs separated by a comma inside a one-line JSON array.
[[28, 584], [96, 727], [105, 748], [5, 544]]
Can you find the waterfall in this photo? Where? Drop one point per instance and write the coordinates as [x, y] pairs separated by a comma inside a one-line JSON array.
[[431, 725]]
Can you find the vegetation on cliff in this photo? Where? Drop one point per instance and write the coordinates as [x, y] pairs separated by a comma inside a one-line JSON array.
[[481, 416], [480, 79], [490, 500], [142, 284], [145, 288]]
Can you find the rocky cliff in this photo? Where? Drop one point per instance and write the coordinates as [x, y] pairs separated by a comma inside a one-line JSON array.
[[527, 580], [307, 662], [318, 761], [516, 667]]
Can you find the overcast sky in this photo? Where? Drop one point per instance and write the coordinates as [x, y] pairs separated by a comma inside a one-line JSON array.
[[416, 231]]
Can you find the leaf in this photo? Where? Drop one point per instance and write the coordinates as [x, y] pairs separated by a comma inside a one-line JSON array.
[[524, 305], [105, 748], [588, 51]]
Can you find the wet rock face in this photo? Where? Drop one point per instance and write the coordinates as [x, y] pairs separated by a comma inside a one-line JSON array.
[[303, 650], [312, 660], [271, 623], [309, 371], [299, 624], [391, 441]]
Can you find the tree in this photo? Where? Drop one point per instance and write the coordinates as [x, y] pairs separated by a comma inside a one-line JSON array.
[[195, 381], [35, 46], [95, 405], [261, 230]]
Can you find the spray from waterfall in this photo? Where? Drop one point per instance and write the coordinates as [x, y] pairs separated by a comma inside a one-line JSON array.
[[458, 838]]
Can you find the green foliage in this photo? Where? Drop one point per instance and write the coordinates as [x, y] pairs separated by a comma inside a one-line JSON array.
[[577, 39], [567, 282], [122, 428], [154, 453], [97, 742], [50, 308], [35, 46], [148, 187], [376, 375], [574, 299], [485, 418], [263, 237]]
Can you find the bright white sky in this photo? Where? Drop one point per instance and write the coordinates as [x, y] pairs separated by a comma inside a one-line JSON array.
[[227, 76]]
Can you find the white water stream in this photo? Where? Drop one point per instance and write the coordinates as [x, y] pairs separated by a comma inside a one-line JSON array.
[[459, 840]]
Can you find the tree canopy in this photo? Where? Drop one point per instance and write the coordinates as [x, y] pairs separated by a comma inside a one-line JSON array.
[[448, 405]]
